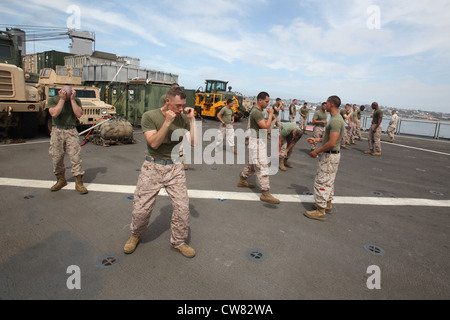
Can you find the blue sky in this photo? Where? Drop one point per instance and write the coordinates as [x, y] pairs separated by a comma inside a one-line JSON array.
[[394, 52]]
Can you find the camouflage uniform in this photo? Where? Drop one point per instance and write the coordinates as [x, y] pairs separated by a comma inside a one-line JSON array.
[[325, 177], [68, 139], [258, 163], [153, 177], [156, 175], [375, 138], [64, 137]]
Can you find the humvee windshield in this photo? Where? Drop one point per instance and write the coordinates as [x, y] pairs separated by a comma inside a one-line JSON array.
[[80, 93]]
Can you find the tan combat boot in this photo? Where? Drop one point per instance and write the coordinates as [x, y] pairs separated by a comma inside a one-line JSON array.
[[287, 164], [243, 183], [79, 185], [376, 153], [318, 214], [131, 244], [267, 197], [328, 209], [60, 183], [368, 152], [185, 250], [282, 167]]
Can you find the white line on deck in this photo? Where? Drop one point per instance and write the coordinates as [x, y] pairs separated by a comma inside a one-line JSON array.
[[238, 196]]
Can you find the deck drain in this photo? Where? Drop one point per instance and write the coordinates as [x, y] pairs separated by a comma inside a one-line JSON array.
[[307, 193], [222, 200], [28, 197], [377, 193], [436, 193], [108, 261], [213, 169], [256, 255], [375, 250], [129, 197]]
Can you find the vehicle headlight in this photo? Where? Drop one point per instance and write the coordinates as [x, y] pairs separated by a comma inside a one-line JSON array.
[[104, 111]]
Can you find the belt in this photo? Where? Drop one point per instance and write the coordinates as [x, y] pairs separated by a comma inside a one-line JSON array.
[[332, 152], [64, 127], [159, 161]]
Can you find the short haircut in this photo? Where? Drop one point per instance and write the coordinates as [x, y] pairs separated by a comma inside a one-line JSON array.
[[335, 100], [176, 91], [229, 101], [262, 96], [278, 99]]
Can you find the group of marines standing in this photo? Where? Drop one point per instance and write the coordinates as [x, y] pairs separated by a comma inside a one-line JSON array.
[[161, 170]]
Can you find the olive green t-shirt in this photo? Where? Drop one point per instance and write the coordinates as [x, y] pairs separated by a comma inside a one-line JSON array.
[[320, 115], [153, 120], [336, 124], [377, 114], [292, 109], [287, 128], [256, 116], [227, 114], [354, 115], [66, 117], [275, 112], [305, 111]]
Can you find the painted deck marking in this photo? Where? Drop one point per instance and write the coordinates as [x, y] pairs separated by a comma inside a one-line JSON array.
[[237, 196]]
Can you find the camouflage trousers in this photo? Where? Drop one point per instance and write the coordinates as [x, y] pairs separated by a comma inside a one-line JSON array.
[[258, 163], [62, 141], [152, 178], [375, 138], [229, 132], [325, 177], [275, 123], [318, 132], [303, 123], [354, 132]]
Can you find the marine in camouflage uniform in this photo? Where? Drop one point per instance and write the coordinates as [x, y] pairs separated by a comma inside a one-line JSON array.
[[320, 121], [258, 163], [375, 131], [329, 159], [162, 169], [65, 109], [290, 134]]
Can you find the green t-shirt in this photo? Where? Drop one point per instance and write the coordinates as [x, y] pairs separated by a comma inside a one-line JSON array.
[[377, 115], [227, 114], [354, 115], [320, 115], [275, 112], [287, 128], [292, 109], [305, 111], [256, 116], [336, 124], [153, 120], [66, 117]]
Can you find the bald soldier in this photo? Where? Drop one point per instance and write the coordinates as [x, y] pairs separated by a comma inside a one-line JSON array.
[[328, 161], [65, 109]]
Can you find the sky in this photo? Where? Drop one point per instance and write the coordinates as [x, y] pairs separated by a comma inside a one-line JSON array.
[[394, 52]]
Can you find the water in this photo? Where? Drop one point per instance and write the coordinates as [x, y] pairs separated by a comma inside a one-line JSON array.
[[433, 129]]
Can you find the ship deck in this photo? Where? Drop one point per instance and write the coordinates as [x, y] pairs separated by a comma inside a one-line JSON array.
[[390, 211]]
